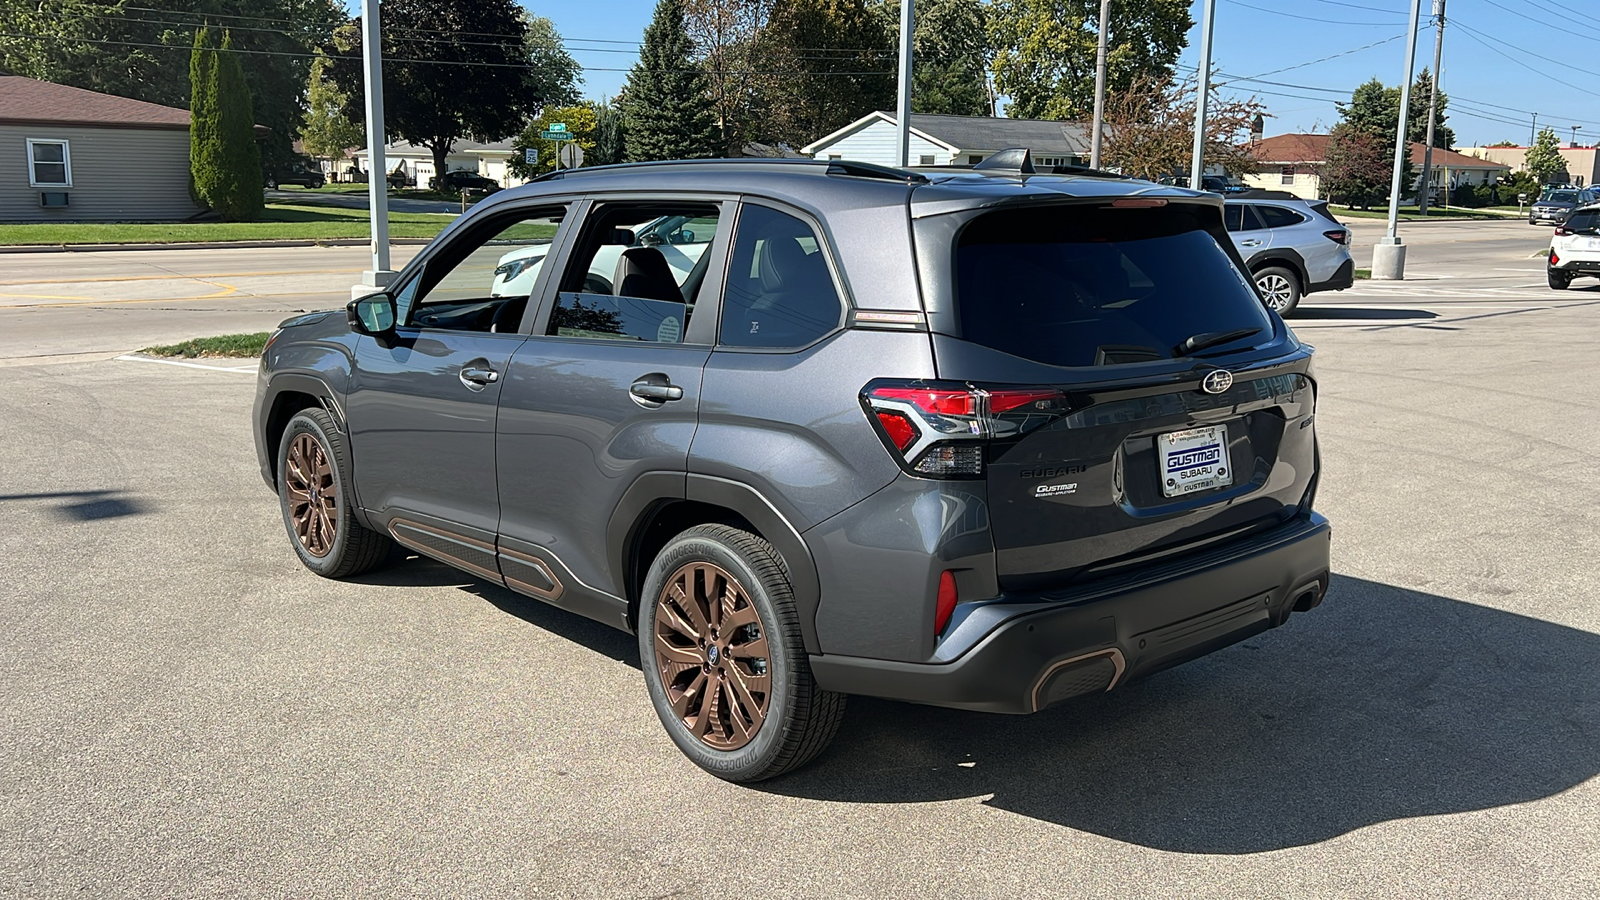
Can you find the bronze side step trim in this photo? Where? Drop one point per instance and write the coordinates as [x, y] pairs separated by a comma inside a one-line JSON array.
[[447, 547]]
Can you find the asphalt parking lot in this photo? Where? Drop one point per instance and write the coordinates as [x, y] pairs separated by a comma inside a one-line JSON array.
[[191, 713]]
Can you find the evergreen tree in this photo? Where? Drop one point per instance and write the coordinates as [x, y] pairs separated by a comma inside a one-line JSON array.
[[610, 138], [238, 159], [205, 176], [1375, 108], [1544, 158], [665, 105], [950, 55], [328, 132]]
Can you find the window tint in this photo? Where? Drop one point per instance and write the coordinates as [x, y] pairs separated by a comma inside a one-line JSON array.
[[1556, 196], [1278, 217], [1094, 286], [1240, 217], [1586, 221], [780, 292], [636, 272], [480, 281]]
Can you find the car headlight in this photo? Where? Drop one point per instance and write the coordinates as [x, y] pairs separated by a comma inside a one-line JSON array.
[[511, 270]]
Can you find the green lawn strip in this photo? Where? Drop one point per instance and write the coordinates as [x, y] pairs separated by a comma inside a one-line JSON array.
[[1412, 216], [279, 222], [402, 194], [222, 345], [1362, 274]]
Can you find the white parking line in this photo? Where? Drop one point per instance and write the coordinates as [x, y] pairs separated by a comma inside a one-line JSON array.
[[252, 368]]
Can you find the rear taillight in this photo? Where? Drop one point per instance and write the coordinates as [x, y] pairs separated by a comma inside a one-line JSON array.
[[945, 603], [941, 430], [1560, 229], [1338, 236], [1554, 259]]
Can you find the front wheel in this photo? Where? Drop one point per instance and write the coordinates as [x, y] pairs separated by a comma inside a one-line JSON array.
[[723, 659], [1559, 280], [318, 503], [1280, 288]]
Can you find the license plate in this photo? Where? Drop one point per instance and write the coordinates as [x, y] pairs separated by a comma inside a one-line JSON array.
[[1588, 243], [1194, 460]]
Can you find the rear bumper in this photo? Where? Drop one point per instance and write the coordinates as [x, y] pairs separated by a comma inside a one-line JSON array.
[[1343, 277], [1024, 654], [1579, 266]]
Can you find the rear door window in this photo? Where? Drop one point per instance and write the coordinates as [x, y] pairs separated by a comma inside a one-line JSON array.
[[1240, 217], [780, 291], [1084, 285]]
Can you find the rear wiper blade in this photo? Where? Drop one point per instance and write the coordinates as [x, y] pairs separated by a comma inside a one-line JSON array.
[[1206, 339]]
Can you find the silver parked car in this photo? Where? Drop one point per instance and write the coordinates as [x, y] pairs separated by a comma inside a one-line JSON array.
[[1292, 247]]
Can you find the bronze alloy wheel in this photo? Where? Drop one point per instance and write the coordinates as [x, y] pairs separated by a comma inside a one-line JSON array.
[[712, 655], [313, 498]]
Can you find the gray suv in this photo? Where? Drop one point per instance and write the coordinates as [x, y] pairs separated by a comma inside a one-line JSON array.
[[1292, 248], [979, 439]]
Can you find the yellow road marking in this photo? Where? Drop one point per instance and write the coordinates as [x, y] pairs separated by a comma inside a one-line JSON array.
[[228, 291], [175, 277]]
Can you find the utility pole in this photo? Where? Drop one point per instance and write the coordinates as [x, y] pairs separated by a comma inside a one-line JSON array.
[[1197, 162], [1389, 255], [1575, 130], [903, 114], [1533, 133], [1099, 88], [380, 275], [1433, 113]]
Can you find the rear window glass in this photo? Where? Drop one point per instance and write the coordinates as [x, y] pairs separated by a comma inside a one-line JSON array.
[[1097, 285], [1278, 217], [1584, 221]]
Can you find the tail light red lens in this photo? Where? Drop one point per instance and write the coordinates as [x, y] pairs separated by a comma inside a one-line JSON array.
[[945, 605], [1554, 259], [941, 430], [1560, 230], [1338, 236]]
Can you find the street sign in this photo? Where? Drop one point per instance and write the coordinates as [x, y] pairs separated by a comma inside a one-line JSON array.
[[571, 156], [553, 135], [531, 156], [558, 126]]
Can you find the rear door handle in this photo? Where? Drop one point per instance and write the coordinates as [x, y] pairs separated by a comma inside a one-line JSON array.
[[475, 375], [660, 393], [1251, 243]]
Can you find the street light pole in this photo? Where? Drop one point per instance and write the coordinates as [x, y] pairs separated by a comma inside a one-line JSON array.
[[1197, 162], [1389, 255], [1099, 88], [903, 108], [1433, 113], [380, 275]]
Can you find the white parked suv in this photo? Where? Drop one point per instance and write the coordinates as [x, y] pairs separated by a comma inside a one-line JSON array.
[[1575, 247]]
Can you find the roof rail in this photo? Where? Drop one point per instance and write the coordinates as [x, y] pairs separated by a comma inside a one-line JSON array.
[[827, 167]]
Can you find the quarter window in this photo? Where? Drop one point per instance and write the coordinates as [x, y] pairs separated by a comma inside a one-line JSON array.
[[49, 163], [1278, 217], [780, 291], [636, 272]]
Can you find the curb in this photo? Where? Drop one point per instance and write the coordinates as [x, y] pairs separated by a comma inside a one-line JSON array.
[[206, 245]]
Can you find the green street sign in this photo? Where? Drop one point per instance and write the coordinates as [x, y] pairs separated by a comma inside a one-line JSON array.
[[558, 126], [553, 135]]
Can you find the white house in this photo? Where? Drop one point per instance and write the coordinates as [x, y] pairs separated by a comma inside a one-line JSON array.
[[938, 140], [488, 160], [1294, 163]]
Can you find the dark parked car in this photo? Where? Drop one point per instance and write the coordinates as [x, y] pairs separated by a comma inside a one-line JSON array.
[[1555, 204], [295, 173], [462, 180], [965, 438]]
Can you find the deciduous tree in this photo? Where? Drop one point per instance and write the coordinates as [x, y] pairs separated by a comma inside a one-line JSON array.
[[1544, 157], [1045, 50], [666, 103], [1359, 166], [726, 35], [950, 55], [580, 121], [1150, 129], [329, 131], [833, 62]]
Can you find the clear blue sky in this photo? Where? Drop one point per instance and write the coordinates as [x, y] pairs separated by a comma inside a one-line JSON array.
[[1491, 94]]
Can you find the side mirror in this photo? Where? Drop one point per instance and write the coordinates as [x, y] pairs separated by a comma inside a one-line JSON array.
[[373, 315]]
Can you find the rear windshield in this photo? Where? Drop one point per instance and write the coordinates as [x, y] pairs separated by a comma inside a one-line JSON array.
[[1588, 221], [1095, 285]]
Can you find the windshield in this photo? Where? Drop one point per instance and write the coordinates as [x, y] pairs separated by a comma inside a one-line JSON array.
[[1088, 285], [1561, 196]]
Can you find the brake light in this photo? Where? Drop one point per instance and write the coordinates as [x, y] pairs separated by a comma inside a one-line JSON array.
[[1138, 202], [941, 430], [945, 604], [1562, 230], [1338, 236]]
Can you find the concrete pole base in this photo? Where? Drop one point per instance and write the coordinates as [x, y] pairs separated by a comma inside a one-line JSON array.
[[371, 283], [1389, 260]]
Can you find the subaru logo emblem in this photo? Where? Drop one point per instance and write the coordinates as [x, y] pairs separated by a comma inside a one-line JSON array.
[[1217, 381], [712, 654]]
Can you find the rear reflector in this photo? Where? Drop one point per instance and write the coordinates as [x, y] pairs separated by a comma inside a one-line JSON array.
[[946, 603], [1554, 259]]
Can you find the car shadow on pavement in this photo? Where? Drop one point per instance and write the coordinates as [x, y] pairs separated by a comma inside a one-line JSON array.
[[1363, 313], [85, 506], [1382, 704]]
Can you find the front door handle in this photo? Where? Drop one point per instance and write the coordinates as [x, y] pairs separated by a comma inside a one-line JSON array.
[[478, 376], [659, 393]]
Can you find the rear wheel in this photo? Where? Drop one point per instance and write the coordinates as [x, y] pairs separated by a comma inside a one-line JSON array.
[[318, 506], [1280, 288], [1559, 280], [723, 660]]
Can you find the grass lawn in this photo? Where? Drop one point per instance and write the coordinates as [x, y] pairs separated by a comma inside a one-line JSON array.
[[223, 345], [1433, 213], [403, 194], [1362, 274], [279, 222]]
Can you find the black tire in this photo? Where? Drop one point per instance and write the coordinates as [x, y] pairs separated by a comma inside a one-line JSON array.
[[1559, 280], [1280, 289], [272, 183], [352, 548], [800, 718]]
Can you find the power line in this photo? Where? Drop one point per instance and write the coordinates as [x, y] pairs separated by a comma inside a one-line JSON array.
[[1279, 12], [1473, 34], [1326, 58]]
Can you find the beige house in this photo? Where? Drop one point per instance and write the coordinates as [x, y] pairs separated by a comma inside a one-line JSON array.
[[1293, 163], [71, 155], [1583, 163], [487, 159]]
